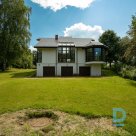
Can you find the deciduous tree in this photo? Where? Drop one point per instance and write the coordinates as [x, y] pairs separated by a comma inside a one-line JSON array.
[[111, 39], [131, 51], [14, 30]]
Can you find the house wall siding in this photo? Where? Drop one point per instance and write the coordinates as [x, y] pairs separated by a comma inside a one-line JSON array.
[[81, 55], [49, 55], [39, 69], [96, 70]]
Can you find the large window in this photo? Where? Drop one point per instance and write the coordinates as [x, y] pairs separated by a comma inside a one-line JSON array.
[[95, 54], [66, 54]]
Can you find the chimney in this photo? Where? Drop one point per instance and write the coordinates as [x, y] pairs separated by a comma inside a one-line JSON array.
[[56, 37]]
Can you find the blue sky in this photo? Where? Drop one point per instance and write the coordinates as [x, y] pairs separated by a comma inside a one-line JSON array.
[[88, 18]]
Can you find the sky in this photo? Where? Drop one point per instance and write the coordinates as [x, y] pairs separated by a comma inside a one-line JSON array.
[[79, 18]]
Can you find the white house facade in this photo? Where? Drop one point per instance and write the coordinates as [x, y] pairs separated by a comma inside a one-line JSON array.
[[67, 56]]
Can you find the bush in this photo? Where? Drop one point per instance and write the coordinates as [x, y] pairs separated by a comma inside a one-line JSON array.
[[128, 72]]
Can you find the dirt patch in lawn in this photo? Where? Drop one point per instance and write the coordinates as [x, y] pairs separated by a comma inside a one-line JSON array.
[[39, 122], [55, 123]]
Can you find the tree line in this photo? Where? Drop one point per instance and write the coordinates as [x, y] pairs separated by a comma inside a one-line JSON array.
[[121, 54]]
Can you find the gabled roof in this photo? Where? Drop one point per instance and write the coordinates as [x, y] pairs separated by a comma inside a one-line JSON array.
[[77, 42]]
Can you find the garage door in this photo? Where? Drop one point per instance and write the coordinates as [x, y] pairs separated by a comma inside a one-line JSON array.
[[48, 71], [66, 71], [84, 71]]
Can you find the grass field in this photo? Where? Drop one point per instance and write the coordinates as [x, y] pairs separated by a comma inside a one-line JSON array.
[[85, 96]]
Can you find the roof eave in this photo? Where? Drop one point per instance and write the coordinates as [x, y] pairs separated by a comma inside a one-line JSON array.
[[45, 47]]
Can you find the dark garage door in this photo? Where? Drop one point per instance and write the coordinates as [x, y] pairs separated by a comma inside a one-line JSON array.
[[48, 71], [84, 71], [66, 71]]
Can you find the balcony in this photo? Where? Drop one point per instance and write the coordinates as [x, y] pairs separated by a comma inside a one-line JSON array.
[[95, 55]]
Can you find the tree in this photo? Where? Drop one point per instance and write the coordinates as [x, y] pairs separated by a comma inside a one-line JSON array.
[[110, 39], [14, 30], [34, 57], [125, 44], [131, 51], [25, 61]]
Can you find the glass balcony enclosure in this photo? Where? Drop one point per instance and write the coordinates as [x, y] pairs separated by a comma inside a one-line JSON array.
[[95, 54]]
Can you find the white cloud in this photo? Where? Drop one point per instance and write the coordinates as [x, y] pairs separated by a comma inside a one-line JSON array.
[[32, 48], [84, 31], [59, 4]]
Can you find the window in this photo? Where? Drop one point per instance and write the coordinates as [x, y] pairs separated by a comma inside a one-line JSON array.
[[95, 54], [66, 54], [39, 56], [103, 54], [89, 54]]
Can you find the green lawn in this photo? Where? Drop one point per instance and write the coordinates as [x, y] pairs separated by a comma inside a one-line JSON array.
[[88, 96]]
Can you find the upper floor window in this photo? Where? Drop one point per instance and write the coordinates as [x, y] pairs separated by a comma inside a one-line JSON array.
[[89, 54], [95, 54], [66, 54]]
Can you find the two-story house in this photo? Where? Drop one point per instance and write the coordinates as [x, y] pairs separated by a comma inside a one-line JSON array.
[[67, 56]]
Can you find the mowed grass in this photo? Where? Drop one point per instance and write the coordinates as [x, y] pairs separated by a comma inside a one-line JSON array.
[[79, 95]]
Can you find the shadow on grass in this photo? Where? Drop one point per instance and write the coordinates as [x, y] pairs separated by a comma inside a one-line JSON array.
[[108, 73], [88, 115], [3, 72], [132, 83], [24, 74]]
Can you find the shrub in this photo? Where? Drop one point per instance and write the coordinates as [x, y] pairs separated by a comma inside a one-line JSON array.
[[128, 72], [40, 114]]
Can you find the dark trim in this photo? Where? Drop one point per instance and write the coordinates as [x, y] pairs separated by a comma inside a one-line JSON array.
[[45, 47], [67, 46], [84, 47], [97, 46]]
